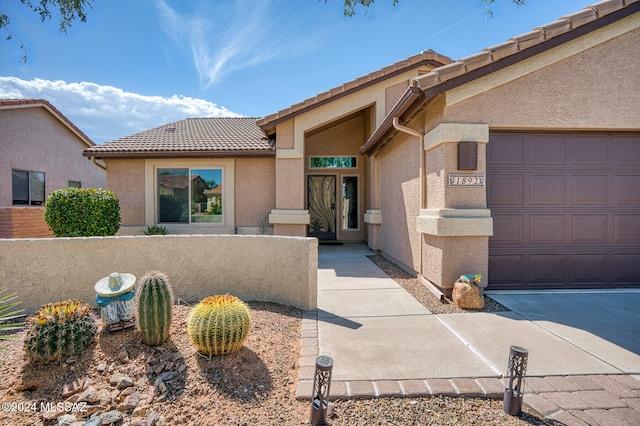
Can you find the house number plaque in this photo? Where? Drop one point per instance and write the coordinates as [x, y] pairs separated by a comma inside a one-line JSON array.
[[475, 180]]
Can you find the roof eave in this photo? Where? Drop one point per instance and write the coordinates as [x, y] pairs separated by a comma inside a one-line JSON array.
[[267, 126], [181, 154]]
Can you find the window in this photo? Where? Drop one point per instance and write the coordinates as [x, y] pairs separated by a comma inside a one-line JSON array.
[[28, 187], [333, 162], [74, 184], [350, 202], [188, 195]]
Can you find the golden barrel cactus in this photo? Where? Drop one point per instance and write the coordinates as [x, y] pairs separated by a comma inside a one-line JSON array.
[[219, 325]]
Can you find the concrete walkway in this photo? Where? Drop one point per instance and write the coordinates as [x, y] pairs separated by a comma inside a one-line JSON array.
[[584, 348]]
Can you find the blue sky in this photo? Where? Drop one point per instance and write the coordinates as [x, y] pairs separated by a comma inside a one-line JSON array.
[[138, 64]]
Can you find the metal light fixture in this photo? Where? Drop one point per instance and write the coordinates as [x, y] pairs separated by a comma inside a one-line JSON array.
[[514, 388], [321, 385]]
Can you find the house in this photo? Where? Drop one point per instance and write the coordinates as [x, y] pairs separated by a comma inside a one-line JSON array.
[[520, 162], [41, 152]]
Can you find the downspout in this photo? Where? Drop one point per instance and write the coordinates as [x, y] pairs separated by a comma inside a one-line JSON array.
[[420, 136], [93, 160]]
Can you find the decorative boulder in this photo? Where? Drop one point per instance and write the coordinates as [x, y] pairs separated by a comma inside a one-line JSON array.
[[467, 295]]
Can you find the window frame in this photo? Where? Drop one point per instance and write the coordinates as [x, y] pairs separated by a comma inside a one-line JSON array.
[[226, 165], [358, 199], [30, 201], [312, 167]]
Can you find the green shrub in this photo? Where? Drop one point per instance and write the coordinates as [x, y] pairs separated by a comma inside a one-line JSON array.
[[82, 212]]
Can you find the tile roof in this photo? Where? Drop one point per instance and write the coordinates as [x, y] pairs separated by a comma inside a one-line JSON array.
[[425, 57], [189, 137], [521, 42], [32, 103], [466, 69]]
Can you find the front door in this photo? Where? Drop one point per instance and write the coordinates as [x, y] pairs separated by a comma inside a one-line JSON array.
[[322, 206]]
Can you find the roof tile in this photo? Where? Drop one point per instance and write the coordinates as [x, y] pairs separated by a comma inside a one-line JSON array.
[[502, 50], [428, 80], [450, 71], [528, 39], [606, 7], [477, 60], [582, 17], [555, 28], [228, 134]]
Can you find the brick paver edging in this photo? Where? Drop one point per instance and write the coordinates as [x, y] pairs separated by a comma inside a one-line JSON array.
[[575, 400]]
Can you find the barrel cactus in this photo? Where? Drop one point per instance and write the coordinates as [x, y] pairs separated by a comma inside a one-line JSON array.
[[219, 325], [154, 305], [60, 329]]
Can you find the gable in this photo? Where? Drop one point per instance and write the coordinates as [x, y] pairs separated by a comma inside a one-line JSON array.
[[594, 88]]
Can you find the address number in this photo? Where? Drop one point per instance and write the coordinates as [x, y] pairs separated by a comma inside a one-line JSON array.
[[466, 180]]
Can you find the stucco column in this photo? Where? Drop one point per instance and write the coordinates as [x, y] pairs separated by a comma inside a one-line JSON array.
[[373, 215], [290, 216], [456, 224]]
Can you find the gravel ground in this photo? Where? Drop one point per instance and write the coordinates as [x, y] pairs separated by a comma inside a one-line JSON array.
[[415, 287], [173, 384]]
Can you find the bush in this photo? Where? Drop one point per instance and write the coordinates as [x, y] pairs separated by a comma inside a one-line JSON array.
[[82, 212]]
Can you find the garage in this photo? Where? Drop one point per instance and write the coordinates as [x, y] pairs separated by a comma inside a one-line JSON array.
[[566, 210]]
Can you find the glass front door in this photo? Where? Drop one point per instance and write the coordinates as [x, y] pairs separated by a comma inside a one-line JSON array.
[[322, 206]]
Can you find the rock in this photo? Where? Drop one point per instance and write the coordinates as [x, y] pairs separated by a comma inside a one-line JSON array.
[[130, 402], [123, 356], [127, 391], [152, 419], [165, 377], [467, 296], [66, 420], [140, 411], [73, 387], [104, 396], [50, 415], [94, 421], [90, 410], [102, 367], [111, 417], [124, 382], [152, 392], [90, 394]]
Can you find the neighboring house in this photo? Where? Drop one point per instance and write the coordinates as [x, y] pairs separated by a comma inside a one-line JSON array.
[[521, 162], [41, 152]]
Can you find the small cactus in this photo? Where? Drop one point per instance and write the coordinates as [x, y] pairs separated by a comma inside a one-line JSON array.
[[154, 305], [59, 329], [219, 325]]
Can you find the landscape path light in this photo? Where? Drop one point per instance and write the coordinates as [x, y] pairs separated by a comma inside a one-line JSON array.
[[320, 395], [514, 388]]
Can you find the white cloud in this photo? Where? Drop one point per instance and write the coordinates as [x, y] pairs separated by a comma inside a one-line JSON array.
[[105, 113], [242, 36]]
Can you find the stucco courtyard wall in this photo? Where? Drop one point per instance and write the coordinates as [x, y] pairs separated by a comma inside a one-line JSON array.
[[260, 268]]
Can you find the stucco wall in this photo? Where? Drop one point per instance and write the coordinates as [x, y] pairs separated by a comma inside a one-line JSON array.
[[598, 89], [275, 269], [400, 199], [34, 140], [125, 177], [255, 190]]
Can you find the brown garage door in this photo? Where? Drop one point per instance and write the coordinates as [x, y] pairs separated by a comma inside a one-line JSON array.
[[566, 210]]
